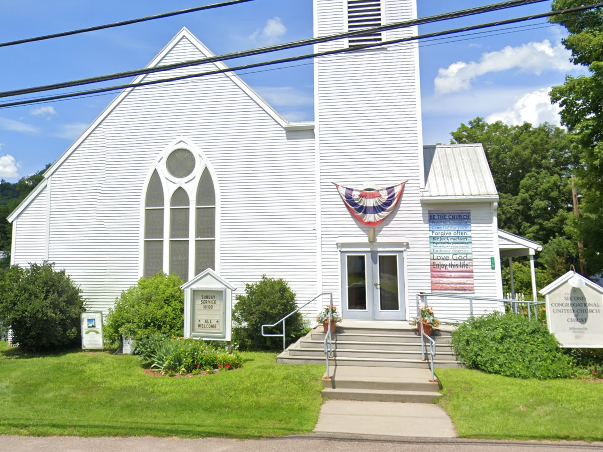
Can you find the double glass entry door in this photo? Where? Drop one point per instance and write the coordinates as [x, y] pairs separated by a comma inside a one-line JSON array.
[[372, 285]]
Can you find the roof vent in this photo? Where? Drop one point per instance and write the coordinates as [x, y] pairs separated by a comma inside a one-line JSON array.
[[364, 14]]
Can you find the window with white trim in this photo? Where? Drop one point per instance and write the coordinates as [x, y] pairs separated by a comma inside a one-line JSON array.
[[180, 217], [364, 14]]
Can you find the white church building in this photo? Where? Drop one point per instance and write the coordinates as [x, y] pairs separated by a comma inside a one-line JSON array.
[[204, 173]]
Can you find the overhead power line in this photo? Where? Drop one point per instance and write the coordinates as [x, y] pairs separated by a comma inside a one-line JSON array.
[[303, 57], [122, 23], [429, 42], [275, 48]]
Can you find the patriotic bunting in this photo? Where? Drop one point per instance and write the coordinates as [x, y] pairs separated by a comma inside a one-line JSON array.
[[371, 206]]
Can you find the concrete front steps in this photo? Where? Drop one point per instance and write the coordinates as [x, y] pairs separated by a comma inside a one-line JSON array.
[[374, 361], [380, 384], [370, 344]]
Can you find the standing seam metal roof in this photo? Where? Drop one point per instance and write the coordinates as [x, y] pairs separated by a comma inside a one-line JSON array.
[[457, 170]]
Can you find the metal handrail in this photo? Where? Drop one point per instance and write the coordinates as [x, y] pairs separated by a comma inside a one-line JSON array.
[[287, 316], [423, 296], [328, 341], [432, 350]]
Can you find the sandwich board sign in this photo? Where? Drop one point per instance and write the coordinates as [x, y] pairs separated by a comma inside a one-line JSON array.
[[92, 330], [574, 311], [208, 307]]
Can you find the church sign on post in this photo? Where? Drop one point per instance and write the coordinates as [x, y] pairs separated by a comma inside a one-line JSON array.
[[208, 307], [574, 311], [208, 312]]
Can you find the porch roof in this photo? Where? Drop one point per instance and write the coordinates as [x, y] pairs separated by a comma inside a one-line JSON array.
[[511, 245]]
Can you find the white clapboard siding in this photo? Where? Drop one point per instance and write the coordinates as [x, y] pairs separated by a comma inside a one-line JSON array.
[[369, 132], [264, 174], [483, 247], [31, 232]]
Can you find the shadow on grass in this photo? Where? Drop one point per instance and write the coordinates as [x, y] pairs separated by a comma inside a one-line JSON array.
[[133, 428], [19, 353]]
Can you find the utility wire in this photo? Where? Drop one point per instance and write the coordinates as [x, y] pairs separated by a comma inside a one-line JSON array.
[[304, 57], [274, 48], [429, 42], [125, 22]]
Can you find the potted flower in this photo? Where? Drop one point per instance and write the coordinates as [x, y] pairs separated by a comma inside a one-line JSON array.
[[427, 318], [323, 317]]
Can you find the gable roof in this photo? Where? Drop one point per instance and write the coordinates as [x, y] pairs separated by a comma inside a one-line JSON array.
[[204, 274], [184, 33], [562, 279], [457, 171], [512, 245]]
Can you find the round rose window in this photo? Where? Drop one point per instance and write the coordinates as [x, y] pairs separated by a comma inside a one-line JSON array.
[[180, 163]]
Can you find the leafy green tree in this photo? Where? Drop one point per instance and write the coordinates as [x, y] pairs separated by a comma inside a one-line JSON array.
[[532, 168], [42, 306], [154, 305], [522, 278], [581, 102], [266, 302]]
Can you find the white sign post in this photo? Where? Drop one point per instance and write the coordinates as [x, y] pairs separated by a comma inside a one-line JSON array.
[[574, 311], [92, 330], [208, 307]]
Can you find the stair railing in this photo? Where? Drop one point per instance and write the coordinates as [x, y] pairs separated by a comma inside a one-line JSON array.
[[432, 345], [432, 350], [289, 315], [468, 302], [328, 342]]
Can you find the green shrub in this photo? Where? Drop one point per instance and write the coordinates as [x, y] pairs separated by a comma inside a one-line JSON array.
[[42, 306], [510, 345], [179, 355], [154, 305], [266, 302], [589, 361]]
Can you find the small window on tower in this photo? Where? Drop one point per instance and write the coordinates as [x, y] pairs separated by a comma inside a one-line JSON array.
[[364, 14]]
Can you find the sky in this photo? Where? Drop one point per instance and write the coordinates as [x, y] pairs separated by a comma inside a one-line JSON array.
[[499, 75]]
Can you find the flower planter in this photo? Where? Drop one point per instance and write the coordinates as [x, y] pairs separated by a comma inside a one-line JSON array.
[[426, 328], [333, 327]]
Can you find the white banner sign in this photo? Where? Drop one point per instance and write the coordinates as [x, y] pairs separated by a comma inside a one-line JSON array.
[[92, 331]]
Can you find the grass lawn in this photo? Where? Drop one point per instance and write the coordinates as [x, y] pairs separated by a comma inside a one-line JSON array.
[[98, 394], [491, 406]]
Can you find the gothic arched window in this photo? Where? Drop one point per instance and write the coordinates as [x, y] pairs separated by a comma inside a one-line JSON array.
[[175, 241], [153, 227], [179, 233], [205, 234]]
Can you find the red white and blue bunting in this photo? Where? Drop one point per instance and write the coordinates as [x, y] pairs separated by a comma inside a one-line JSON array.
[[371, 206]]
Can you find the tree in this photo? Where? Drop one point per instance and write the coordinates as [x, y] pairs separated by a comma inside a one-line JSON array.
[[532, 168], [581, 102], [266, 302], [42, 307], [154, 305]]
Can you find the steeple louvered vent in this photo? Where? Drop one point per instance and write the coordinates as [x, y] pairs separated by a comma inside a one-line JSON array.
[[364, 14]]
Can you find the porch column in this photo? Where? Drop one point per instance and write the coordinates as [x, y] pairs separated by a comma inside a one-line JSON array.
[[533, 274], [512, 278]]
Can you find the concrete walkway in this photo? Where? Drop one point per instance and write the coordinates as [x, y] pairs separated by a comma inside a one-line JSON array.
[[384, 419]]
